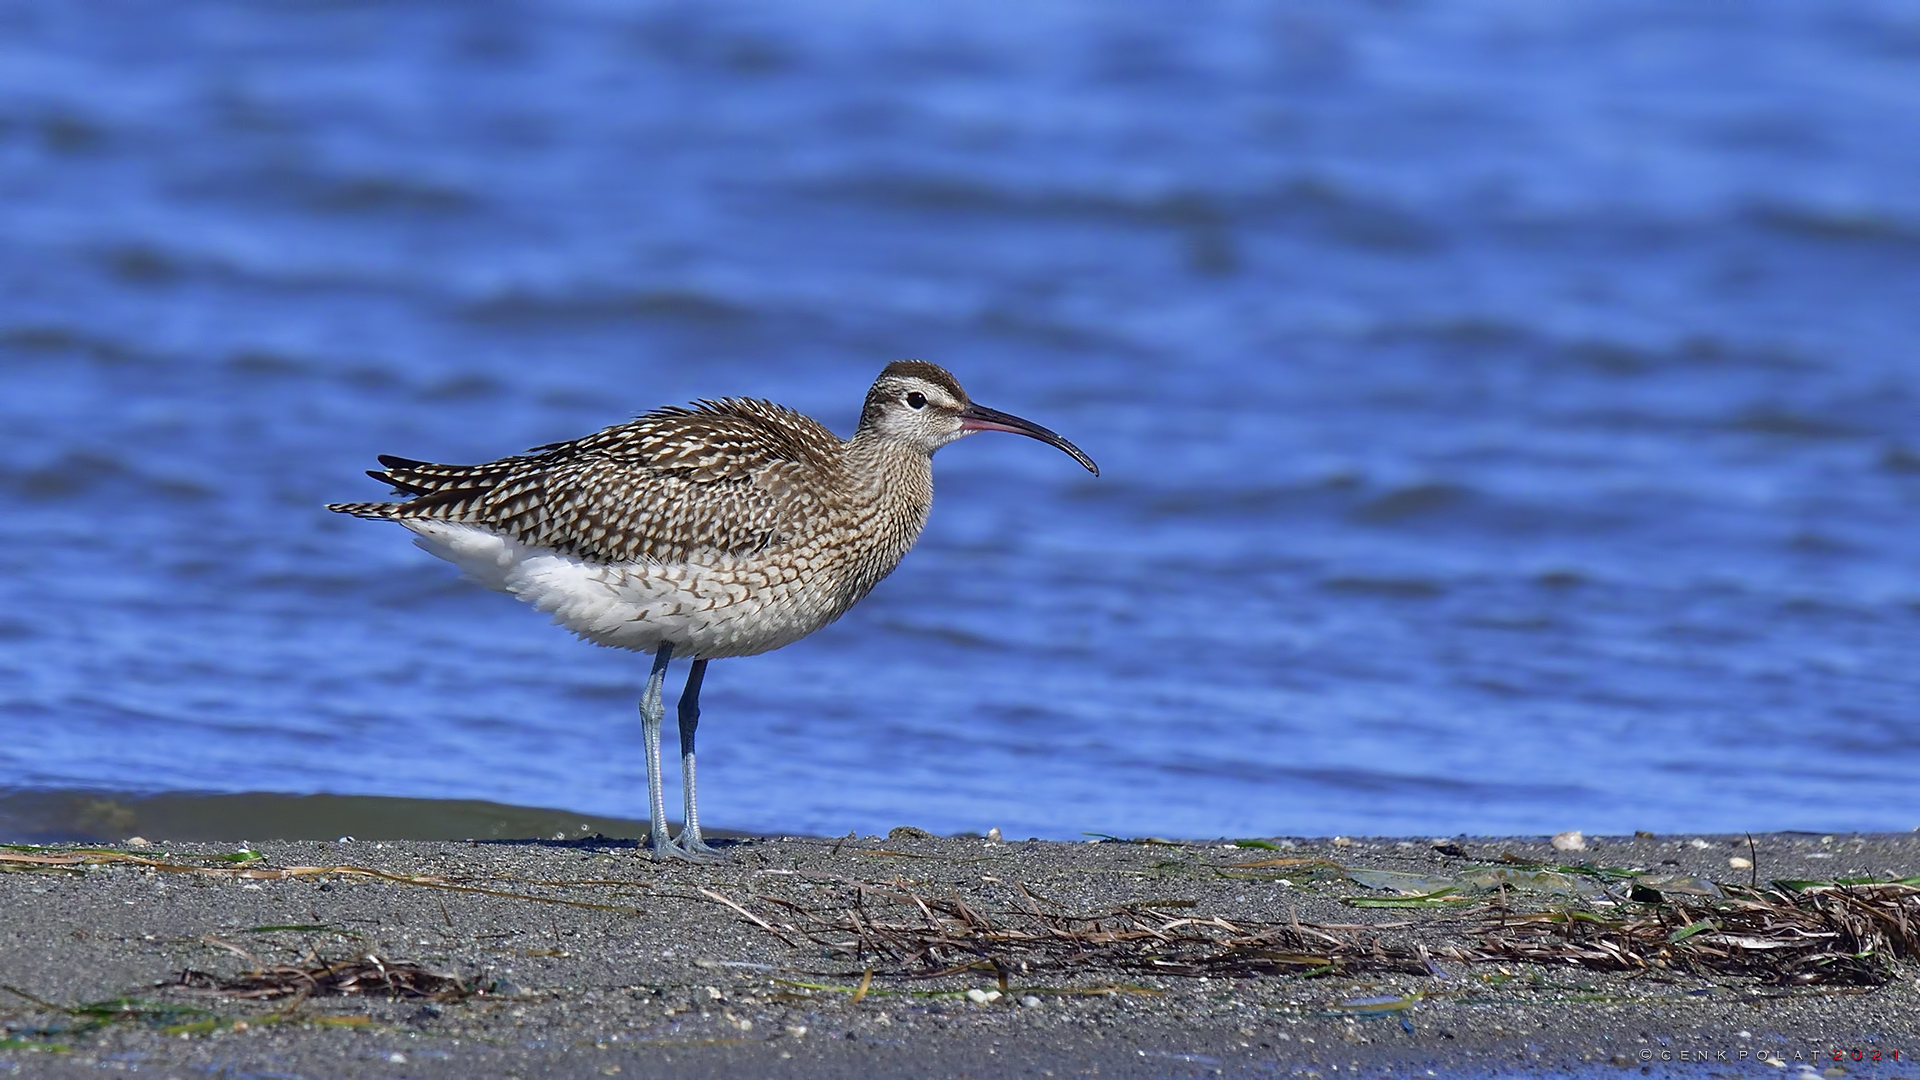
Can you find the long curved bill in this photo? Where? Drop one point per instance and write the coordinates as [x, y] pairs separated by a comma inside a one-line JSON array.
[[981, 418]]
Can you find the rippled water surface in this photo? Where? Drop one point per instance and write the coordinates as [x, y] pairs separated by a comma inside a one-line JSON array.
[[1507, 410]]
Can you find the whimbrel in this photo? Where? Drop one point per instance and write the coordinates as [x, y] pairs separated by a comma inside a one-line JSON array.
[[728, 528]]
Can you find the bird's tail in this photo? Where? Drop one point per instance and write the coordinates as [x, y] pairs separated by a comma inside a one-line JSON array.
[[428, 485], [380, 511]]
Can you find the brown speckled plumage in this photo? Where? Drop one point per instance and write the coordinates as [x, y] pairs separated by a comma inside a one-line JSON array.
[[784, 525], [734, 476]]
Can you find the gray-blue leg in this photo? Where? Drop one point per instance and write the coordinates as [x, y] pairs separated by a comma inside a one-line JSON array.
[[652, 711], [690, 841]]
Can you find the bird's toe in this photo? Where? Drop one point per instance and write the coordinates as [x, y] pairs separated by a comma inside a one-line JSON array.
[[670, 851], [697, 850]]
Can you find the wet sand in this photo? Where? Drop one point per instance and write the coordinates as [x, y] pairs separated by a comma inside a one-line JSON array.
[[649, 969]]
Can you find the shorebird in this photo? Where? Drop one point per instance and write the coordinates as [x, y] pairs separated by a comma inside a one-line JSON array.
[[727, 528]]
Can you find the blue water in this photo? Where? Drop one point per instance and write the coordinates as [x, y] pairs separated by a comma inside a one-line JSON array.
[[1508, 411]]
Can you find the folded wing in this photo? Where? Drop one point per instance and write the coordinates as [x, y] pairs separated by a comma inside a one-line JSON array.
[[736, 476]]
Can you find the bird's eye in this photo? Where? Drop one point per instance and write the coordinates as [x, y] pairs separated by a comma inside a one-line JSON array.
[[916, 400]]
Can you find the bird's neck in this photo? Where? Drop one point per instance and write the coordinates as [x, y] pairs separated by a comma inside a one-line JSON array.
[[892, 486], [892, 477]]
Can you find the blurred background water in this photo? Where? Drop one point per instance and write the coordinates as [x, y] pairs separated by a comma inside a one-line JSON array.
[[1507, 410]]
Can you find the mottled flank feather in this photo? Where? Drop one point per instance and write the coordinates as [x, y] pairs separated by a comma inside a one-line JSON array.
[[730, 477]]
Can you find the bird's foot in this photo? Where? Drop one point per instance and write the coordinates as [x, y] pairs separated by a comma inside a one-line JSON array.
[[699, 850], [668, 850]]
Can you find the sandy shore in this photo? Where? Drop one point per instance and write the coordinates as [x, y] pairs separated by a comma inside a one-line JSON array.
[[583, 958]]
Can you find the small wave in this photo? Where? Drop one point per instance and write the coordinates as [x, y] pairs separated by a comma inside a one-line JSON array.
[[387, 195], [1052, 333], [1407, 588], [1256, 500], [950, 635], [1601, 355], [1828, 607], [1787, 424], [1560, 578], [1497, 687], [472, 386], [1815, 542], [79, 473], [269, 363], [1838, 226], [1417, 500], [147, 264], [1900, 459], [295, 187], [53, 339], [1514, 622], [1481, 333], [589, 691], [1468, 329], [327, 586], [1334, 208], [1376, 782], [683, 305], [1613, 357], [70, 134], [143, 264]]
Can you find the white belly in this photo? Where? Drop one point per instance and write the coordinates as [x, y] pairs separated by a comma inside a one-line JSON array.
[[716, 607]]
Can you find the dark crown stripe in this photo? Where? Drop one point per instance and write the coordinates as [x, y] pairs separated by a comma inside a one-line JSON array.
[[933, 373]]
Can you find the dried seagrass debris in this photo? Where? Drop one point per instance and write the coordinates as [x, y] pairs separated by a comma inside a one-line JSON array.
[[1790, 934], [367, 974], [918, 936]]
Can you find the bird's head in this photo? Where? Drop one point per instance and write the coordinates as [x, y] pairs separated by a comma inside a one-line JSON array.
[[922, 405]]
